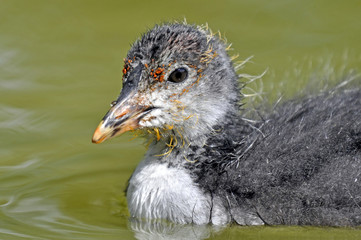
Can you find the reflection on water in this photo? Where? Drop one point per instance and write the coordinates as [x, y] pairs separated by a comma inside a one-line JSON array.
[[152, 230], [60, 67]]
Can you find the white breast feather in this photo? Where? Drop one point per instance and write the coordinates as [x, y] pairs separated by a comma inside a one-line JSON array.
[[159, 192]]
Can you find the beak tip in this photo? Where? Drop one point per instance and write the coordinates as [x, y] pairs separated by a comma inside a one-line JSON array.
[[98, 135], [97, 138]]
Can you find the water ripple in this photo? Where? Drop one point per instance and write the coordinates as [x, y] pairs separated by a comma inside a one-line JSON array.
[[19, 120]]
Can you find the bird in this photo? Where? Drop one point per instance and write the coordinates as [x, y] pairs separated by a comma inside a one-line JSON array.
[[297, 162]]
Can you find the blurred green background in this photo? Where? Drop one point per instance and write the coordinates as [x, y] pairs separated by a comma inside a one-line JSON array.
[[60, 67]]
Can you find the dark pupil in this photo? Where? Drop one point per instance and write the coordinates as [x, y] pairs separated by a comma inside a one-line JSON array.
[[178, 75]]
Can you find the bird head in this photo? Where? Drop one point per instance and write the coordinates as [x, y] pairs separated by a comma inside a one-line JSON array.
[[177, 81]]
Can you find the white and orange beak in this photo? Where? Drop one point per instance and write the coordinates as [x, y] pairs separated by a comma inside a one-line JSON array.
[[125, 113], [120, 118]]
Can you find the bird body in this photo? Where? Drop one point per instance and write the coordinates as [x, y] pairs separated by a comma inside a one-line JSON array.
[[298, 164]]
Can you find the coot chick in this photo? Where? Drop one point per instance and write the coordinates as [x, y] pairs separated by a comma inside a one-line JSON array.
[[300, 164]]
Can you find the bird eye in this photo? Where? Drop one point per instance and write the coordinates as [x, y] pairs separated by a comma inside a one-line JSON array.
[[178, 75]]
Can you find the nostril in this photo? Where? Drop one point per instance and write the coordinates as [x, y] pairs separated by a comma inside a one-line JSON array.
[[117, 123]]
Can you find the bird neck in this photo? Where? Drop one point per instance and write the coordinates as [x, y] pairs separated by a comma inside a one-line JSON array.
[[185, 146]]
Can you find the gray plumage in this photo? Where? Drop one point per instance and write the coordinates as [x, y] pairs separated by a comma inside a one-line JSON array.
[[299, 163], [303, 169]]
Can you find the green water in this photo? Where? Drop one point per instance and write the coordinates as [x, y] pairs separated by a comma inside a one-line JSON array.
[[60, 67]]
